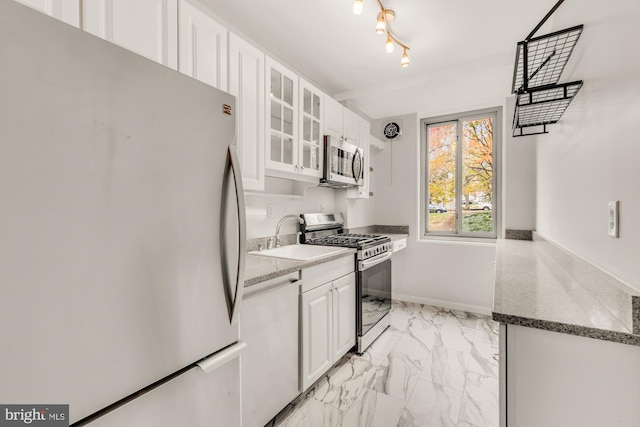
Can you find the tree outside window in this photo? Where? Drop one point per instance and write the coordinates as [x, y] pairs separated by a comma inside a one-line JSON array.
[[460, 176]]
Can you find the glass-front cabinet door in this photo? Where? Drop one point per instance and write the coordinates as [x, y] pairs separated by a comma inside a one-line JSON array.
[[310, 156], [282, 118]]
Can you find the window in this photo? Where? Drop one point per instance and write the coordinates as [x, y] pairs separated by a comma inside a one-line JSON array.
[[459, 174]]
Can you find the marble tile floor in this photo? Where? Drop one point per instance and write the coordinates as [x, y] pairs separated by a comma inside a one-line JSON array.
[[432, 368]]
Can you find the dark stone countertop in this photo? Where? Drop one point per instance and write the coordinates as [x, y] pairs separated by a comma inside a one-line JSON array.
[[260, 268]]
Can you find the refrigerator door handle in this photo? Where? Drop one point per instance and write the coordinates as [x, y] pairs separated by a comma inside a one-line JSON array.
[[235, 300], [222, 357]]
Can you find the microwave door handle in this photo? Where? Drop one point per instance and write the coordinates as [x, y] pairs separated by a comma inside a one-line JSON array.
[[357, 173]]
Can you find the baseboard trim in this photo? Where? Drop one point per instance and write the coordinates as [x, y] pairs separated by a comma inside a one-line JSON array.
[[443, 304]]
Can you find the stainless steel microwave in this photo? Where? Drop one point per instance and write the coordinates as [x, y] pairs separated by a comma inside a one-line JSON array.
[[343, 164]]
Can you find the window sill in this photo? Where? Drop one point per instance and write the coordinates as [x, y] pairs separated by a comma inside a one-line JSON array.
[[462, 240]]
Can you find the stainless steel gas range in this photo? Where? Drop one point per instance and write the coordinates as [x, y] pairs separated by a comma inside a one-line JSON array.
[[373, 271]]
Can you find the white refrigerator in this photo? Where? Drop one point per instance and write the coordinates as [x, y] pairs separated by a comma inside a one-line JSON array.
[[121, 233]]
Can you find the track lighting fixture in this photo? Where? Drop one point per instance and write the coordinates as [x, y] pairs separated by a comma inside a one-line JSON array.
[[357, 7], [385, 16], [404, 62], [388, 46], [380, 28]]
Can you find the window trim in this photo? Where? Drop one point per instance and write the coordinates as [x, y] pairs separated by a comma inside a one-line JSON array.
[[497, 181]]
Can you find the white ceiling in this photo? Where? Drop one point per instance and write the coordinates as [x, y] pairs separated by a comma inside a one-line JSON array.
[[472, 41]]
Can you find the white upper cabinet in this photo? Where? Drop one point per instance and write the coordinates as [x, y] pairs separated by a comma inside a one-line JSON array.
[[341, 122], [246, 82], [333, 117], [65, 10], [282, 118], [311, 141], [202, 46], [351, 126], [147, 27]]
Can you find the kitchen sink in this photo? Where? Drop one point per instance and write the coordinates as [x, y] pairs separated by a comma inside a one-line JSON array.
[[299, 252]]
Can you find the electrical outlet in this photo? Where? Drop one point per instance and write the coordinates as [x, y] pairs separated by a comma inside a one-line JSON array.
[[613, 219], [269, 211], [321, 208]]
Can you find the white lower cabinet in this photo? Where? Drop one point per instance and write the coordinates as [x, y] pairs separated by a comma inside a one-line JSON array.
[[344, 315], [317, 333], [556, 379], [269, 326], [328, 319]]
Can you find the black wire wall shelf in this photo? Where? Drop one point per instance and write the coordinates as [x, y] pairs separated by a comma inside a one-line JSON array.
[[540, 61], [542, 106], [546, 58]]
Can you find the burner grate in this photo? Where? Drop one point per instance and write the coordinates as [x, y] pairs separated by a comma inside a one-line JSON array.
[[348, 240]]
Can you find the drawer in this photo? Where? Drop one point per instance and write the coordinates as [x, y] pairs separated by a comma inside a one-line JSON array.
[[399, 245], [320, 274], [256, 291]]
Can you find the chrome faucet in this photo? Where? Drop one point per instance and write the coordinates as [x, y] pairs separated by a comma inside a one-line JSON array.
[[283, 219]]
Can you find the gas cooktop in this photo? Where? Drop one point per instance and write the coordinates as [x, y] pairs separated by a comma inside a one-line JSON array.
[[328, 230], [349, 240]]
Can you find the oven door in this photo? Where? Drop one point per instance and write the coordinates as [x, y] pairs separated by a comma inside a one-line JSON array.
[[374, 291]]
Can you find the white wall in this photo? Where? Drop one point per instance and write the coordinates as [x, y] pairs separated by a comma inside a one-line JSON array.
[[519, 176], [592, 156], [449, 274], [259, 224], [356, 212]]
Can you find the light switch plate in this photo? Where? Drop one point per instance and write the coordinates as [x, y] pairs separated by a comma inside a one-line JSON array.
[[613, 219]]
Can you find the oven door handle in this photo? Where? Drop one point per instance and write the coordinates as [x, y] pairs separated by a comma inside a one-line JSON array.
[[372, 262]]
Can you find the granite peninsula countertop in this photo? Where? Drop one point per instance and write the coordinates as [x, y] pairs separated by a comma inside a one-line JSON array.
[[543, 286], [260, 268]]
